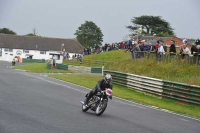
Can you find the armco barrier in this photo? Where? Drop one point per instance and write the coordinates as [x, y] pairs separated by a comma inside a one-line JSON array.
[[79, 69], [61, 66], [25, 60], [49, 66], [118, 77], [181, 93], [144, 84], [96, 70]]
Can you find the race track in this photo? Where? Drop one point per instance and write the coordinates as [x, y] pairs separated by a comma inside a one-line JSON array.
[[35, 103]]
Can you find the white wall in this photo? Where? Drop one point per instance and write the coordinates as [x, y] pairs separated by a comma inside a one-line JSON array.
[[8, 56]]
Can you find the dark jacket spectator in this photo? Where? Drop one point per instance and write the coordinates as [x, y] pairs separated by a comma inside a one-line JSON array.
[[152, 48], [172, 48], [197, 42], [195, 49]]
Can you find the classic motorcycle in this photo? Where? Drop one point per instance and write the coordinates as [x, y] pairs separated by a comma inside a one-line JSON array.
[[98, 102]]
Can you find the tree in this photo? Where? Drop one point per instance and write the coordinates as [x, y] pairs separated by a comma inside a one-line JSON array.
[[7, 31], [30, 34], [151, 25], [164, 34], [88, 34]]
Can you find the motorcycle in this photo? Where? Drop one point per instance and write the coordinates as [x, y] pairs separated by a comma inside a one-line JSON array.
[[98, 102]]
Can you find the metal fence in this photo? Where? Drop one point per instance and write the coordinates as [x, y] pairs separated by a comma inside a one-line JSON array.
[[168, 57]]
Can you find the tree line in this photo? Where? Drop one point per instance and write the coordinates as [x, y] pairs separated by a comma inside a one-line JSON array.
[[90, 35]]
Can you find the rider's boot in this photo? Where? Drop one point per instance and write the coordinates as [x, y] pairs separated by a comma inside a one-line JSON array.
[[88, 97]]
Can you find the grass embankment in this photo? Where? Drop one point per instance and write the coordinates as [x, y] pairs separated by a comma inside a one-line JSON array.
[[90, 82], [97, 60], [39, 68]]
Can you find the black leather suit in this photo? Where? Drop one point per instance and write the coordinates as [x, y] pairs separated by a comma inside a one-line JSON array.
[[100, 86]]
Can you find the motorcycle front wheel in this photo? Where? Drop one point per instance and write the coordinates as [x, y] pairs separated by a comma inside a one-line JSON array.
[[84, 108], [101, 107]]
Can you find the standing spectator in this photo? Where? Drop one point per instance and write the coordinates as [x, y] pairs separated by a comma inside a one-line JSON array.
[[141, 45], [106, 46], [88, 50], [81, 58], [160, 52], [123, 45], [193, 49], [157, 45], [13, 62], [185, 51], [128, 45], [133, 42], [85, 51], [197, 42], [146, 47], [136, 51], [54, 61], [65, 55], [172, 49], [184, 41], [152, 48]]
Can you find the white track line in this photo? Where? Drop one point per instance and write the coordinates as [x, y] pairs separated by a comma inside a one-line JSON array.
[[182, 119], [130, 104], [55, 83]]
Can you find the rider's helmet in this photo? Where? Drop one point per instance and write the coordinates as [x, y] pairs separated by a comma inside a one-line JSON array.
[[108, 78]]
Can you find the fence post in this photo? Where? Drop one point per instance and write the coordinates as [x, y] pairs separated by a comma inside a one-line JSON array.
[[102, 70]]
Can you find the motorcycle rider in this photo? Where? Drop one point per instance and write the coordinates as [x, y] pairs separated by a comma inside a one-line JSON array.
[[101, 85]]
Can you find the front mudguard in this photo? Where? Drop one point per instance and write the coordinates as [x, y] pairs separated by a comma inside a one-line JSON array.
[[87, 95]]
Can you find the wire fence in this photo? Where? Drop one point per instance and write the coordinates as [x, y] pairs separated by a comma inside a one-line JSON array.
[[167, 57]]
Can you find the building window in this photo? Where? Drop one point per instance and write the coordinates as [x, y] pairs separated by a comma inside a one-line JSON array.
[[42, 52], [26, 51], [8, 50]]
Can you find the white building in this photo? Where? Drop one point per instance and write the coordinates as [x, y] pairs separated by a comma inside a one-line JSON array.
[[36, 47]]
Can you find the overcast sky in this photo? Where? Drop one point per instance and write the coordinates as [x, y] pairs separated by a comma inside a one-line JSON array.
[[61, 18]]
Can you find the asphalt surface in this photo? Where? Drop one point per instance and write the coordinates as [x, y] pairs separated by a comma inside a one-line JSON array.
[[35, 103]]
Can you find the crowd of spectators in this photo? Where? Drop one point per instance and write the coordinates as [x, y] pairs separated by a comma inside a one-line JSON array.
[[139, 47]]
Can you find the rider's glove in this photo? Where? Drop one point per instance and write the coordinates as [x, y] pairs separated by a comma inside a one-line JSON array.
[[110, 96]]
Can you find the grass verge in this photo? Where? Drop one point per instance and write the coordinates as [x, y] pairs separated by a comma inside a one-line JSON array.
[[90, 82], [40, 68]]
